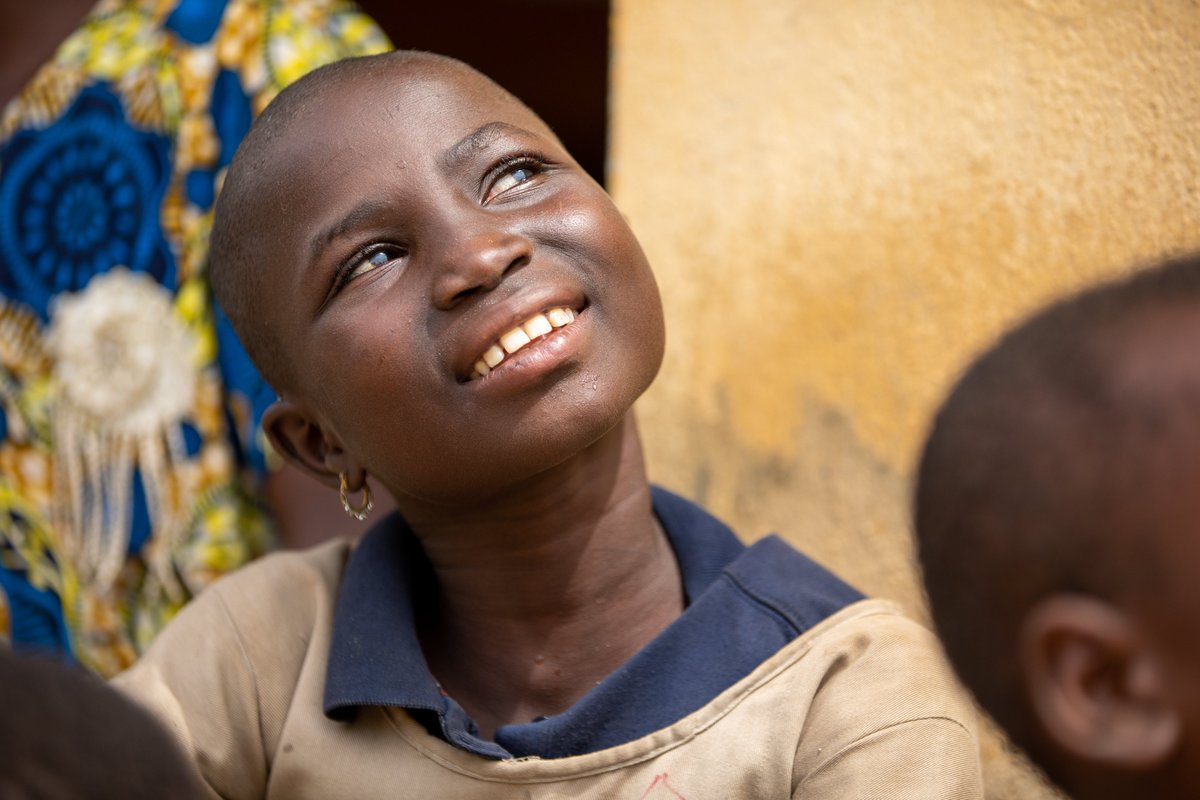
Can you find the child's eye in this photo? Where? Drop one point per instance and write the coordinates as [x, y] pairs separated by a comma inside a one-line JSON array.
[[511, 175], [370, 259]]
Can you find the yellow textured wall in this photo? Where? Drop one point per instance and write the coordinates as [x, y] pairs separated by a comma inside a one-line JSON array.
[[845, 199]]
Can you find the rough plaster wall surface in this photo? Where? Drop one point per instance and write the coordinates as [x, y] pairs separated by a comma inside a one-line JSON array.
[[844, 200]]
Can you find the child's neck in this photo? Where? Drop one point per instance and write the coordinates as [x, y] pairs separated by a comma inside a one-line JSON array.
[[545, 595]]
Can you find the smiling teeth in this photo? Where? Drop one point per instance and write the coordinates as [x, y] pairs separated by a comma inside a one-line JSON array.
[[536, 326], [560, 316], [492, 357], [514, 340]]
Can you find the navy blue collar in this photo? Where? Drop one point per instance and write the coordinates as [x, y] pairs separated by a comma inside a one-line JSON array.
[[744, 604]]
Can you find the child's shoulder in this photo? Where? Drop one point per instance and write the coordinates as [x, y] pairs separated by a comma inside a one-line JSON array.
[[284, 590], [282, 596], [240, 646]]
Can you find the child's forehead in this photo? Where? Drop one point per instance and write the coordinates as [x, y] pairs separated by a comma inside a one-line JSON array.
[[420, 92], [393, 76], [395, 116]]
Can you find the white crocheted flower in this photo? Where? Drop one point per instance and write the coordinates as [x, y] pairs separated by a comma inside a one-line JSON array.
[[122, 357]]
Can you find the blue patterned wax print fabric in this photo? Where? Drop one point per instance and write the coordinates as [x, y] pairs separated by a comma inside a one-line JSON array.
[[79, 197]]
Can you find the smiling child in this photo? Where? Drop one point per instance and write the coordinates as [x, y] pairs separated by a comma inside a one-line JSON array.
[[446, 302]]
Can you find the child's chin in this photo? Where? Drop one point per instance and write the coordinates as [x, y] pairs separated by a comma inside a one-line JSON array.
[[547, 459]]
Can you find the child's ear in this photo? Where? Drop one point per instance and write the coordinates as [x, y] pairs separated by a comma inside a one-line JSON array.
[[303, 442], [1096, 686]]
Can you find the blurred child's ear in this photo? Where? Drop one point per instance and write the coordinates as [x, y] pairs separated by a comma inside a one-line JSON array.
[[1095, 685], [303, 442]]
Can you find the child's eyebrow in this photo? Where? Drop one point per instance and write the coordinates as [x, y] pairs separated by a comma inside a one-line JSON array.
[[361, 213], [479, 139]]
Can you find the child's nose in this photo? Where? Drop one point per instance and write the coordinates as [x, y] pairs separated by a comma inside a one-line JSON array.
[[477, 262]]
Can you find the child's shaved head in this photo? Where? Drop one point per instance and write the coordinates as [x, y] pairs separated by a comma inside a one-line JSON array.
[[256, 189], [1064, 461]]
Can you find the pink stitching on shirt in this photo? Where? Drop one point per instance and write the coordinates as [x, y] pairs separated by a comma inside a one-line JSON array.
[[665, 789]]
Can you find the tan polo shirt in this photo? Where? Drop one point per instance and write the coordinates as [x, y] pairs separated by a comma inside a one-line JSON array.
[[860, 706]]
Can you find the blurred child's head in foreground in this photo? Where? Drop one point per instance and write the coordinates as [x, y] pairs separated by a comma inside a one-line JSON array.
[[1057, 513], [65, 734]]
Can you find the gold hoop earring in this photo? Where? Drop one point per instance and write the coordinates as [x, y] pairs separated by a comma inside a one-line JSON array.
[[359, 513]]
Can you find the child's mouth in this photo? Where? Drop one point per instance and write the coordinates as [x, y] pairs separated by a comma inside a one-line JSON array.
[[524, 334]]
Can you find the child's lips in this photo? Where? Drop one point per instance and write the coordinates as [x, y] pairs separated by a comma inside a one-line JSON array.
[[522, 311], [511, 342]]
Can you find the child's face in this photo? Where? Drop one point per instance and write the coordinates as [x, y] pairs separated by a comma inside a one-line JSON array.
[[420, 218]]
